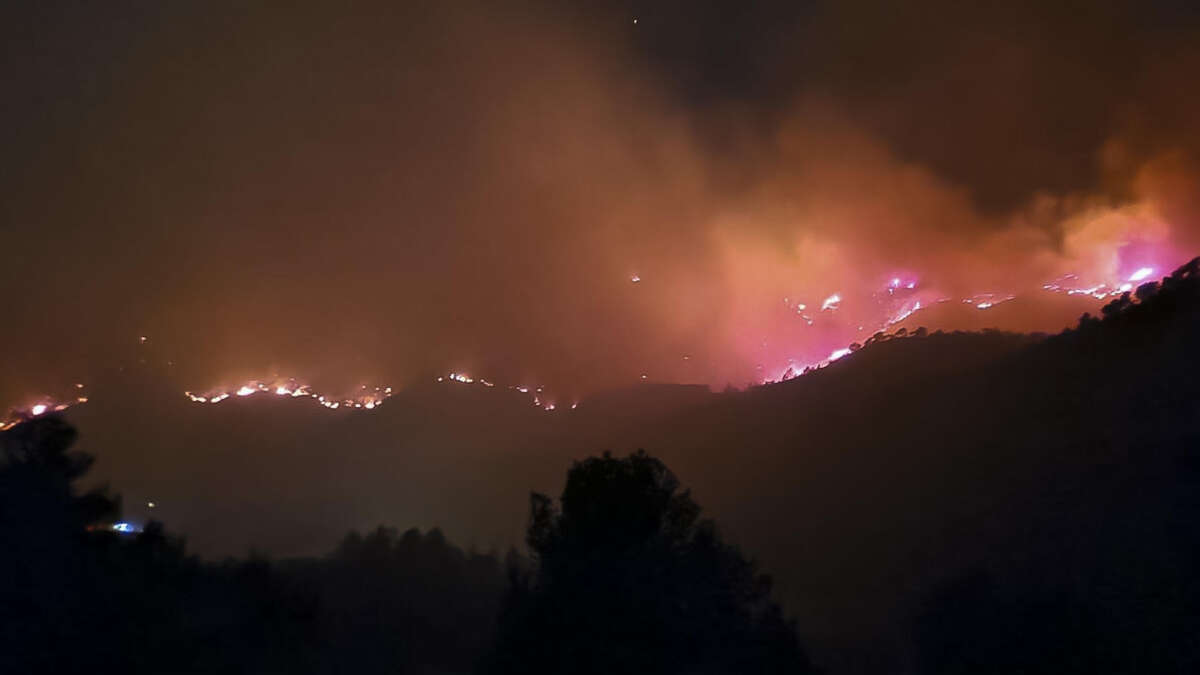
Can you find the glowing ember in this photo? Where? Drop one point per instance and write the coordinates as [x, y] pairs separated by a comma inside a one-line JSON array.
[[462, 378], [905, 313], [988, 300]]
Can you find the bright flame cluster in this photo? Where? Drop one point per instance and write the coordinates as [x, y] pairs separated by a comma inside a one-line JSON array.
[[40, 408], [366, 399], [899, 299]]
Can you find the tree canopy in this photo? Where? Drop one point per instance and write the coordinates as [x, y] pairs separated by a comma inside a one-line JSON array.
[[628, 578]]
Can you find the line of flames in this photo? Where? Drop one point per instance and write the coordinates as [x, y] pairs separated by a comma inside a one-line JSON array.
[[373, 398]]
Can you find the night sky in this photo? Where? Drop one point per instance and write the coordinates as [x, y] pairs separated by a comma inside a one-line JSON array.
[[385, 192]]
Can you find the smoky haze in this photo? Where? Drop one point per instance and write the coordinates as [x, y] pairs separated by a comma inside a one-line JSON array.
[[385, 192]]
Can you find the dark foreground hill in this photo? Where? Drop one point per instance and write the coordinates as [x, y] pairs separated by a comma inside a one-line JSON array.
[[876, 484], [954, 502]]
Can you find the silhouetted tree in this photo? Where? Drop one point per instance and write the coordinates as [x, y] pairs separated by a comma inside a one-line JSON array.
[[43, 532], [77, 597], [629, 579]]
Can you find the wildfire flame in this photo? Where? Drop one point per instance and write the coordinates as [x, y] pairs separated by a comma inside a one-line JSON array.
[[899, 299]]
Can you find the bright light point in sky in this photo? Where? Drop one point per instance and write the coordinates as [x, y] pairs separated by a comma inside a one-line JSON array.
[[831, 302], [635, 278], [38, 409], [1141, 274]]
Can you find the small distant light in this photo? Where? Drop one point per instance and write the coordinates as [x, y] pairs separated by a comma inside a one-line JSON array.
[[38, 409], [635, 278], [142, 339], [150, 505], [79, 385]]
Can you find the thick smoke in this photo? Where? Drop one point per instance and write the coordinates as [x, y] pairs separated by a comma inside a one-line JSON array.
[[382, 194]]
